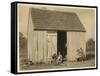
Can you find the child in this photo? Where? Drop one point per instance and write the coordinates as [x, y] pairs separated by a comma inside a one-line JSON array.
[[59, 58]]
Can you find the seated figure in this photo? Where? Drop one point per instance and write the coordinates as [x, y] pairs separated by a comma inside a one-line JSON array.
[[59, 58]]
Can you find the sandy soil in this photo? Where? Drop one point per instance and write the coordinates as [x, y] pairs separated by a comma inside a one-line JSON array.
[[66, 64]]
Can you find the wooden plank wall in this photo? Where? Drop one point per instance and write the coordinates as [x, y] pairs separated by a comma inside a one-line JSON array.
[[41, 46], [30, 38], [44, 46], [75, 41], [52, 44]]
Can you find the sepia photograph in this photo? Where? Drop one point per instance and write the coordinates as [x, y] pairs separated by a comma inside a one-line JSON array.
[[54, 37]]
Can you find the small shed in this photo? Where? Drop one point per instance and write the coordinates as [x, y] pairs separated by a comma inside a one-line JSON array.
[[51, 32]]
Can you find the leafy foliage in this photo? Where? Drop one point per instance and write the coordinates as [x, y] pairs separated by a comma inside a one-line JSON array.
[[90, 45], [22, 41]]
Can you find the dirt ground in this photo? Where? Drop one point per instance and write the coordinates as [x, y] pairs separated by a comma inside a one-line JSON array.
[[66, 64]]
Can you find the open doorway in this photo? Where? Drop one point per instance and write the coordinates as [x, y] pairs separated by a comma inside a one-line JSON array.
[[61, 43]]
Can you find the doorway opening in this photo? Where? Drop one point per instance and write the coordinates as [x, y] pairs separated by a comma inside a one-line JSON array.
[[61, 43]]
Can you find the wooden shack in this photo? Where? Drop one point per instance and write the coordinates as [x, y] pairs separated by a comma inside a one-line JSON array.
[[51, 32]]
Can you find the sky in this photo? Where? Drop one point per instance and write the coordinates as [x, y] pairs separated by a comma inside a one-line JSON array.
[[87, 17]]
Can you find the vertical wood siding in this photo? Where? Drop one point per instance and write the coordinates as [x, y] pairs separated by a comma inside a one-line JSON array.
[[75, 41], [52, 44], [30, 38]]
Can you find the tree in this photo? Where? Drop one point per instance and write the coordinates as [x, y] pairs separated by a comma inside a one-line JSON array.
[[22, 45], [90, 45], [22, 41]]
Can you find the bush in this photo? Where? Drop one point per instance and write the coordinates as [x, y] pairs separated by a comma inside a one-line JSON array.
[[90, 45], [22, 41]]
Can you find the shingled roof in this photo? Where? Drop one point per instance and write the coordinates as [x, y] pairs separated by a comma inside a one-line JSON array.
[[56, 20]]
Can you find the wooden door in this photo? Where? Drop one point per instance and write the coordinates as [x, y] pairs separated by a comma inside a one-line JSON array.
[[52, 44]]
